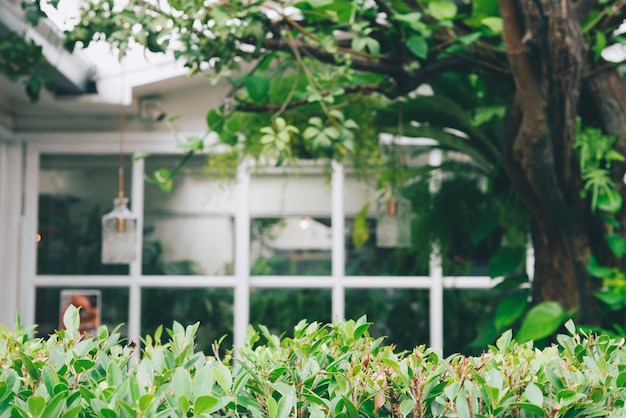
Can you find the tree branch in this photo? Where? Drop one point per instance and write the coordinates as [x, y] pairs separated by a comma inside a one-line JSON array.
[[271, 108]]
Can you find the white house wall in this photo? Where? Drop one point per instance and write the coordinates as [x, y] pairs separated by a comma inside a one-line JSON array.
[[10, 207]]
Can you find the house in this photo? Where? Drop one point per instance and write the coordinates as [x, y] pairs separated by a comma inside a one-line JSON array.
[[213, 249]]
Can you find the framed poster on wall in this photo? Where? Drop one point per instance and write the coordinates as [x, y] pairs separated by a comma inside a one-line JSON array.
[[89, 303]]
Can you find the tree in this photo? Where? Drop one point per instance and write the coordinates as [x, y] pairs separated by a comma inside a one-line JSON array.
[[539, 62]]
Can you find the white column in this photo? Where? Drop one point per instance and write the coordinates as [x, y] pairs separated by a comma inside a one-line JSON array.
[[338, 244], [436, 271], [134, 298], [10, 208], [242, 256], [28, 245]]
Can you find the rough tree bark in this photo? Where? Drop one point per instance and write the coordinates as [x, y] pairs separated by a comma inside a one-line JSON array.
[[548, 59]]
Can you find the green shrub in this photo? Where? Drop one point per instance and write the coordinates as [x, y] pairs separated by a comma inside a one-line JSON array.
[[323, 371]]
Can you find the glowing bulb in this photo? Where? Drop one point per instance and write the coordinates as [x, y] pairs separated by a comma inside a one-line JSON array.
[[304, 223], [38, 237]]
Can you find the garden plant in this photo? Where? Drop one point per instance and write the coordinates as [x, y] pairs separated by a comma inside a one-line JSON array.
[[334, 370]]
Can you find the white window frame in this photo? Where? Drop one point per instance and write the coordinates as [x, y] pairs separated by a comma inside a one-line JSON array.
[[241, 282]]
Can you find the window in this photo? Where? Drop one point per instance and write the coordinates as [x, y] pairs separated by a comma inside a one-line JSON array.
[[271, 247]]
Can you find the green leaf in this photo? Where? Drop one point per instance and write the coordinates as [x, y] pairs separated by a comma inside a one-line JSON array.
[[418, 46], [372, 45], [145, 401], [505, 260], [534, 394], [272, 407], [541, 321], [442, 10], [145, 373], [360, 228], [287, 403], [509, 310], [599, 45], [80, 365], [203, 381], [33, 372], [595, 270], [33, 88], [612, 300], [223, 377], [512, 282], [406, 407], [183, 404], [352, 411], [617, 244], [76, 410], [485, 8], [610, 201], [469, 38], [71, 320], [114, 374], [494, 24], [204, 404], [54, 406], [257, 87], [36, 404], [181, 383], [531, 408], [462, 407], [50, 379], [316, 4]]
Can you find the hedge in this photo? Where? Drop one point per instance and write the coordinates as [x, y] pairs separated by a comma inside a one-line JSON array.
[[325, 370]]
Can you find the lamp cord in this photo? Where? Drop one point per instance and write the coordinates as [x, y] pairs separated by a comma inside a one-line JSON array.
[[120, 175]]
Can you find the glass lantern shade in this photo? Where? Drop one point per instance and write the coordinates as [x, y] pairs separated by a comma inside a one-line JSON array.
[[119, 234], [393, 226]]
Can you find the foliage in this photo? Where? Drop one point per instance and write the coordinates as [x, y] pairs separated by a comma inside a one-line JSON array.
[[324, 370], [22, 58], [596, 152], [341, 70]]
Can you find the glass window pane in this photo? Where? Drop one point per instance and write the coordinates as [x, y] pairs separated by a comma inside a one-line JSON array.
[[113, 307], [290, 229], [466, 312], [366, 255], [400, 315], [281, 309], [190, 229], [212, 307], [368, 259], [292, 246], [74, 192]]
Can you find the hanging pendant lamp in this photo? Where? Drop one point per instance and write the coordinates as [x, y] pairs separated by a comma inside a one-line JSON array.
[[119, 227], [393, 225]]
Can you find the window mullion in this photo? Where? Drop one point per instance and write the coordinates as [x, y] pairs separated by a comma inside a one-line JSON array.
[[134, 299], [338, 245], [242, 256]]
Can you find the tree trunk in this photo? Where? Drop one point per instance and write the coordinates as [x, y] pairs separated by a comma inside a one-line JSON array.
[[547, 55]]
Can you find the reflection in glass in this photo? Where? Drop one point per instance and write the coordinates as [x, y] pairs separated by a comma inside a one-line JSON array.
[[190, 229], [74, 192], [368, 259], [293, 245], [281, 309], [400, 315], [113, 309], [467, 231], [212, 307]]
